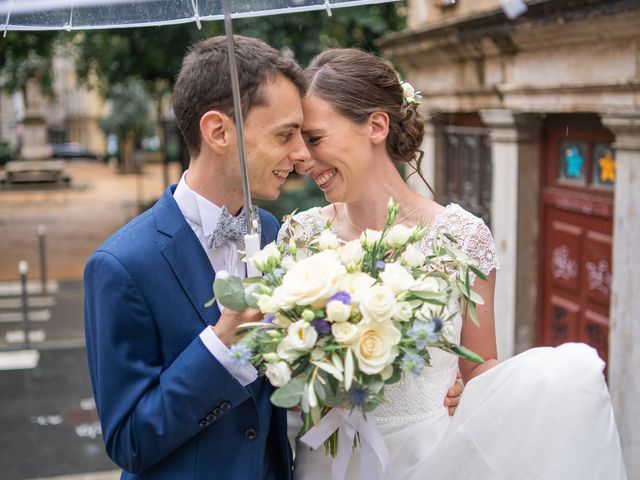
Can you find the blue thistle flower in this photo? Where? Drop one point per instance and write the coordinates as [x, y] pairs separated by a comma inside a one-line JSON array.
[[358, 396], [413, 362], [380, 265], [341, 296], [240, 355]]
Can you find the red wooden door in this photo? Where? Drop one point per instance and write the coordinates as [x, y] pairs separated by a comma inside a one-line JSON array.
[[576, 232]]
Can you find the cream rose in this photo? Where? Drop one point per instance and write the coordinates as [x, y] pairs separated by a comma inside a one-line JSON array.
[[312, 279], [378, 304], [338, 311], [302, 335], [397, 278], [344, 332], [398, 235], [427, 284], [376, 346], [279, 373], [413, 255], [357, 285]]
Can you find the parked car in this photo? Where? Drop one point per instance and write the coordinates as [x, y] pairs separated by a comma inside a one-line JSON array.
[[71, 151]]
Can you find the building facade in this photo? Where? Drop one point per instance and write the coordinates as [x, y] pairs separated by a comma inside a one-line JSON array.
[[534, 124]]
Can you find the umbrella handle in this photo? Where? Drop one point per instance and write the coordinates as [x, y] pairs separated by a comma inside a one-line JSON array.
[[251, 247]]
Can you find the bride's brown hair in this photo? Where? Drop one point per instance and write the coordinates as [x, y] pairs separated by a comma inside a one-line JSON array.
[[357, 83]]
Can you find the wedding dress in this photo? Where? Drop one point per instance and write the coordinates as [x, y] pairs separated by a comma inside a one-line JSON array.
[[543, 414]]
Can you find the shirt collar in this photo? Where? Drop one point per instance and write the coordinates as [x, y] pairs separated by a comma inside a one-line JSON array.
[[195, 207]]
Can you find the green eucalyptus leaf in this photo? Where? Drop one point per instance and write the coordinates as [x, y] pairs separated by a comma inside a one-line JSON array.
[[288, 395], [230, 292]]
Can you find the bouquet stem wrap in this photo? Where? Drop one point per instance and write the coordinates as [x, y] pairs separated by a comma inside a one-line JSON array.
[[348, 423]]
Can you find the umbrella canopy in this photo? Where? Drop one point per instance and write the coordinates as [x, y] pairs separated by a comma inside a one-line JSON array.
[[93, 14]]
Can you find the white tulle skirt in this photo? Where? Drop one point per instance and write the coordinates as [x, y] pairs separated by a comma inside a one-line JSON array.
[[543, 414]]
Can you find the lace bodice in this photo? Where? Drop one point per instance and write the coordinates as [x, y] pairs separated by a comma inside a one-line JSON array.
[[416, 398]]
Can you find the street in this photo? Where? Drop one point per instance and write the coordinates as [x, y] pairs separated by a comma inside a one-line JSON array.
[[49, 426]]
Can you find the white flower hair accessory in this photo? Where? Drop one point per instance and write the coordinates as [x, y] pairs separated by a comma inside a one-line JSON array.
[[409, 94]]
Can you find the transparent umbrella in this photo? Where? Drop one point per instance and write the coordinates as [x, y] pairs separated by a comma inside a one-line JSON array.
[[70, 15]]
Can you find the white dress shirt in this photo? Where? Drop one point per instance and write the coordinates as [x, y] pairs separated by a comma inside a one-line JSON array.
[[202, 216]]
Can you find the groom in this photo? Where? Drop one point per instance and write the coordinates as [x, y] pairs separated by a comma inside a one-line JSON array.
[[172, 404]]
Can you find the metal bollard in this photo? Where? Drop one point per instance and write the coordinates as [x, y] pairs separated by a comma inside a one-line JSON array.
[[42, 233], [23, 268]]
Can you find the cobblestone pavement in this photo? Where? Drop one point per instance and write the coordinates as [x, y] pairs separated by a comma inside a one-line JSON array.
[[77, 219]]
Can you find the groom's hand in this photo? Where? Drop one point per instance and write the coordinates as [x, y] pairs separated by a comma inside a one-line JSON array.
[[452, 399], [230, 320]]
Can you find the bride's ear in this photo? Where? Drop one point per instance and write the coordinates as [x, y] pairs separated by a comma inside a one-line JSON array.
[[378, 127], [214, 130]]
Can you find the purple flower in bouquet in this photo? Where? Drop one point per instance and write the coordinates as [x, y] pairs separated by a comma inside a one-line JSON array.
[[322, 326], [269, 318], [341, 296]]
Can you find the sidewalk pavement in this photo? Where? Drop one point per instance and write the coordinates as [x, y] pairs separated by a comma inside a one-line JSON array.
[[111, 475]]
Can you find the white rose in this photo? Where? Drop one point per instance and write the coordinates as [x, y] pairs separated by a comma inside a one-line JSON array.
[[398, 235], [269, 256], [376, 346], [369, 237], [413, 255], [302, 335], [344, 332], [279, 373], [404, 312], [327, 240], [357, 285], [267, 304], [315, 278], [378, 304], [397, 278], [287, 352], [351, 254], [338, 311]]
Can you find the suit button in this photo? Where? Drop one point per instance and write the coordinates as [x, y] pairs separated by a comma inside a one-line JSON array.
[[203, 423], [250, 434], [224, 406], [217, 411], [210, 418]]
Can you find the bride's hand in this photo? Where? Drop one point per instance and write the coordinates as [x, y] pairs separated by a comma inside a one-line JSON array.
[[452, 399]]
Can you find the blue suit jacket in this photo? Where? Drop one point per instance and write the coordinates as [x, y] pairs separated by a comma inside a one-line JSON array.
[[168, 408]]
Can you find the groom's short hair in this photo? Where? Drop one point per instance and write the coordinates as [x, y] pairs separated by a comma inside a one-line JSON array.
[[204, 81]]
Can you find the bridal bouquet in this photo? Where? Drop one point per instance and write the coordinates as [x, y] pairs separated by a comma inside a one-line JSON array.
[[344, 319]]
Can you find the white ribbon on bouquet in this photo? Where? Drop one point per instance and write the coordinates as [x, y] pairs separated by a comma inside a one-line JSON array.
[[348, 423]]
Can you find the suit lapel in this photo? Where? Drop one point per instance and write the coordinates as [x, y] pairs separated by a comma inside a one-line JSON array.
[[186, 257]]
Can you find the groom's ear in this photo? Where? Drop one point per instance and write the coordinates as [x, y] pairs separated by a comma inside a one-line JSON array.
[[214, 130], [378, 127]]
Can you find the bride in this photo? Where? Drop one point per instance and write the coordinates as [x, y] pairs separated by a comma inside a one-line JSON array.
[[544, 414]]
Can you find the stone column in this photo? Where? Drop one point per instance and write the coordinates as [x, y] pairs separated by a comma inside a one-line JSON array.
[[515, 190], [34, 140], [432, 148], [624, 329]]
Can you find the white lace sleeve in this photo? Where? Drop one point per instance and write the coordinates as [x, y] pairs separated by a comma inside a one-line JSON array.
[[305, 224], [473, 234]]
